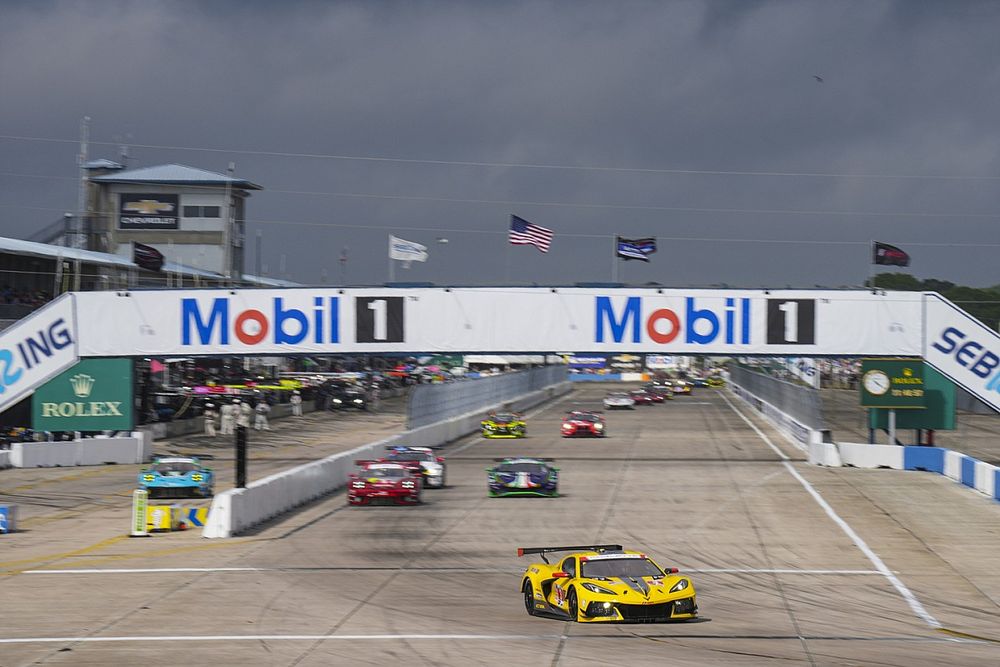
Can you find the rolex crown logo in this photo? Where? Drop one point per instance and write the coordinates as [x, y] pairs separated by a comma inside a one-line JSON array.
[[82, 384], [907, 372]]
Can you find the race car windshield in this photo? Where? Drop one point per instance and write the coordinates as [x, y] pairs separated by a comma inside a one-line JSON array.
[[587, 418], [504, 418], [385, 473], [410, 456], [619, 567], [181, 468], [522, 467]]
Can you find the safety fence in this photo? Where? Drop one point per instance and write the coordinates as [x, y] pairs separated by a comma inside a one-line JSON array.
[[431, 403], [801, 403]]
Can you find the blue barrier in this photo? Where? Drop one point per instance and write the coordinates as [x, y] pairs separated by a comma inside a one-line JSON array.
[[589, 377], [969, 471], [8, 518], [930, 459]]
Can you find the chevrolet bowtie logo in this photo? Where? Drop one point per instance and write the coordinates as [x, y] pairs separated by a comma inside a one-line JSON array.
[[148, 207]]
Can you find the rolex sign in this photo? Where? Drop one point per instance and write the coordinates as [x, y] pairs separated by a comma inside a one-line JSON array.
[[93, 395]]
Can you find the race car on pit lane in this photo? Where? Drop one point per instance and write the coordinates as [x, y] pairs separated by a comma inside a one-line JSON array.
[[378, 481], [177, 477], [583, 423], [432, 467], [641, 397], [522, 477], [503, 425], [604, 583], [663, 392], [619, 401]]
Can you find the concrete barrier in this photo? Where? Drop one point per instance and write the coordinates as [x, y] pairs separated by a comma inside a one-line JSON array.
[[4, 459], [8, 518], [824, 454], [862, 455], [985, 478], [85, 452], [953, 465], [795, 431], [238, 510]]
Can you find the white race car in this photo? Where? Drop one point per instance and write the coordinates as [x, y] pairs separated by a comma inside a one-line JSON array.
[[619, 401], [432, 467]]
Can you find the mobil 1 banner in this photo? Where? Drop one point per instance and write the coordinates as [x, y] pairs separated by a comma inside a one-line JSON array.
[[589, 321], [148, 211]]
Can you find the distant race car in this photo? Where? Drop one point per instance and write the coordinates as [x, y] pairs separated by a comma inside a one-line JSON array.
[[177, 477], [664, 393], [349, 397], [682, 387], [583, 423], [619, 401], [604, 583], [432, 467], [716, 381], [379, 481], [523, 477], [641, 397], [698, 381], [503, 425]]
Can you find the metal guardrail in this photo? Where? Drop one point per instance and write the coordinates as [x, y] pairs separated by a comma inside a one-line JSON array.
[[430, 403], [802, 403]]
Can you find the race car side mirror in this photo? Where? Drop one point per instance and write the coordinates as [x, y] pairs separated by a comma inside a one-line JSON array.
[[670, 570], [560, 575], [440, 459]]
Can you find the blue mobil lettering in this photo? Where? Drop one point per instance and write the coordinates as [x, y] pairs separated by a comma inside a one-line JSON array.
[[32, 351], [969, 354], [286, 326], [664, 325]]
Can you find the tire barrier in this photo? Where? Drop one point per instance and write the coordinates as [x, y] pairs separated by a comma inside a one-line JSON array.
[[238, 510]]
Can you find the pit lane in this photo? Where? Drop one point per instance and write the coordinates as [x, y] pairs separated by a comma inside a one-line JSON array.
[[779, 581]]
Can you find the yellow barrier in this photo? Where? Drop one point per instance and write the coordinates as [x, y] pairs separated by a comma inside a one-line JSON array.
[[164, 518]]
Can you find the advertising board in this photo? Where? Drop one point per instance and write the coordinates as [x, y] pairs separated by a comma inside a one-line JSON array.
[[35, 349], [93, 395], [497, 320], [892, 383]]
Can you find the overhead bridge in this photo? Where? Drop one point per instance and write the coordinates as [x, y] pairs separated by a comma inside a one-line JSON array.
[[311, 321]]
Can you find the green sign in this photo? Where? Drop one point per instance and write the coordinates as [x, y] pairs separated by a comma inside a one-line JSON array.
[[939, 403], [93, 395], [893, 383]]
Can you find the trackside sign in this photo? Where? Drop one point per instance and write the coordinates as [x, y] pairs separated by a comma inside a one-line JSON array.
[[36, 348], [964, 349], [93, 395], [658, 321]]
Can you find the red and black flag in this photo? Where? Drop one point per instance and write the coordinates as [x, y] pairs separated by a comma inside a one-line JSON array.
[[147, 257], [883, 253]]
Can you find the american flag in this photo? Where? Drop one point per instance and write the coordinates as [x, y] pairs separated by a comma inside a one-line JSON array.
[[523, 232]]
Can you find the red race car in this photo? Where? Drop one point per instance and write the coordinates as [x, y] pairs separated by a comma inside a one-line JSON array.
[[380, 481], [584, 423], [641, 397]]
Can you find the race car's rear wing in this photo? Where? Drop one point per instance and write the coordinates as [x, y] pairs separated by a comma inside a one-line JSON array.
[[524, 551]]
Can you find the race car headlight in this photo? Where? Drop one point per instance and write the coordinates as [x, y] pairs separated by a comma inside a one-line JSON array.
[[567, 427], [337, 400], [599, 427], [358, 400], [358, 484], [409, 485], [147, 478], [679, 586], [594, 588]]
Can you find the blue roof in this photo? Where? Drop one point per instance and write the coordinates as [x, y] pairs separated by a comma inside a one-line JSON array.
[[175, 174]]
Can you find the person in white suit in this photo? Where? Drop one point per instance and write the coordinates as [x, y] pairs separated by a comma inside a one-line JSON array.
[[210, 415], [296, 402], [228, 419]]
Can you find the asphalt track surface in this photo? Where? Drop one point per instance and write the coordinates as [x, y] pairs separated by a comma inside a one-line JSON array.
[[793, 564]]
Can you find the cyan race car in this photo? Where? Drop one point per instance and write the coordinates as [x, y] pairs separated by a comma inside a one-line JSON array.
[[523, 477], [177, 477]]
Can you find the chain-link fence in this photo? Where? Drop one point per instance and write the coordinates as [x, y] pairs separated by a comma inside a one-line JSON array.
[[430, 403], [800, 402]]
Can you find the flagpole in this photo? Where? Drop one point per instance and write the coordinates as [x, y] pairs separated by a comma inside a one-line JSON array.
[[614, 258], [871, 263], [392, 269]]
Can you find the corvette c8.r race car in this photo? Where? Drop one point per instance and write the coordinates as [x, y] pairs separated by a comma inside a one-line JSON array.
[[583, 423], [603, 583], [177, 477], [522, 477], [503, 425]]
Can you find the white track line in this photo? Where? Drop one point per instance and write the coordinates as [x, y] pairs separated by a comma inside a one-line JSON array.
[[915, 605], [226, 638]]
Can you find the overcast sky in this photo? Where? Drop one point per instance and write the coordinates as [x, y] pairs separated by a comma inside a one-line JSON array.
[[897, 142]]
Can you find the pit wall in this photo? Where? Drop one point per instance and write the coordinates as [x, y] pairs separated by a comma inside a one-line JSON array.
[[238, 510], [610, 377], [812, 441], [4, 458], [84, 452]]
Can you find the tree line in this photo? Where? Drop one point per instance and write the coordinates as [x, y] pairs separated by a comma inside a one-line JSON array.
[[983, 303]]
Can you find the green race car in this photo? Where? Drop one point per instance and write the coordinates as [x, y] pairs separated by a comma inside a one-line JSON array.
[[503, 425]]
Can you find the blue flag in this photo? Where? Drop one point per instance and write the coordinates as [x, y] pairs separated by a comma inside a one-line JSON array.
[[635, 248]]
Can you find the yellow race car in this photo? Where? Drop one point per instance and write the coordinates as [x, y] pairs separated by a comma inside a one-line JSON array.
[[604, 583], [503, 425]]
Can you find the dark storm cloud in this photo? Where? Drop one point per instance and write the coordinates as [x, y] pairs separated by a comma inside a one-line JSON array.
[[908, 88]]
